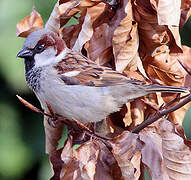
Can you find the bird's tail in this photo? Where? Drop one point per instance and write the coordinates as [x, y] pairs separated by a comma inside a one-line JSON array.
[[170, 89]]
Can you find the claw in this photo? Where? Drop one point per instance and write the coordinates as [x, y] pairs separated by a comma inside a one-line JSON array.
[[51, 122]]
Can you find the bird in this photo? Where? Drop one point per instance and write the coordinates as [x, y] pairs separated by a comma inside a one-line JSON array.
[[74, 86]]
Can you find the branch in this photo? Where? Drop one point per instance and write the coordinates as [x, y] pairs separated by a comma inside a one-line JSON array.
[[75, 125], [30, 106], [160, 114]]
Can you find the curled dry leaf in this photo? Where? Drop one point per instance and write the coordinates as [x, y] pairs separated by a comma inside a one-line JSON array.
[[52, 135], [186, 56], [90, 11], [152, 154], [176, 154], [85, 33], [126, 150], [98, 45], [126, 42], [53, 22], [29, 24], [168, 12], [185, 4], [177, 116], [99, 48], [64, 10], [166, 151], [69, 8], [57, 159], [165, 68], [174, 39], [70, 34], [137, 112], [185, 14], [92, 161], [151, 34]]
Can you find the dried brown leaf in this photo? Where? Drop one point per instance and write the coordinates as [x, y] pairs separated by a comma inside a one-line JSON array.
[[180, 131], [185, 57], [70, 34], [185, 4], [99, 43], [52, 135], [152, 154], [185, 14], [104, 25], [64, 10], [168, 12], [126, 42], [151, 34], [165, 68], [92, 161], [91, 10], [126, 150], [135, 113], [177, 116], [53, 22], [69, 8], [105, 57], [59, 157], [29, 24], [127, 118], [174, 39], [177, 155], [85, 33]]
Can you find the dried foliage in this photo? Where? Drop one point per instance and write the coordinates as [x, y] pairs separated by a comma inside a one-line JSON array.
[[140, 38]]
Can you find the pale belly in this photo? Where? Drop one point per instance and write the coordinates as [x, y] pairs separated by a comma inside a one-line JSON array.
[[82, 103]]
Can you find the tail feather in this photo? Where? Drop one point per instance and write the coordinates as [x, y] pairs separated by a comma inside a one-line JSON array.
[[171, 89]]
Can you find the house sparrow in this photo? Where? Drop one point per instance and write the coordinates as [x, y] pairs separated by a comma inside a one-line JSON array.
[[74, 86]]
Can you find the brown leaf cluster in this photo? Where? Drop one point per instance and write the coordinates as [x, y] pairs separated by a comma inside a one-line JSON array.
[[142, 39], [162, 148]]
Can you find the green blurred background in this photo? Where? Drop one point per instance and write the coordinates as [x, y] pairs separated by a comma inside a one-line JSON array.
[[22, 152]]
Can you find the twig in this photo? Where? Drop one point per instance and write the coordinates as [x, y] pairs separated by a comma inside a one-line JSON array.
[[160, 114], [30, 106], [77, 126], [178, 98], [185, 66]]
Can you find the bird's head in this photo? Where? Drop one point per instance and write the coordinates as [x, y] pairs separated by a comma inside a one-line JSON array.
[[41, 48]]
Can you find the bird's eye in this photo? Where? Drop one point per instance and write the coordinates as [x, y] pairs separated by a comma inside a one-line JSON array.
[[39, 48]]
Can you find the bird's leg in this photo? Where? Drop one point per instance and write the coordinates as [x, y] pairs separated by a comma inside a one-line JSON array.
[[53, 115], [79, 126], [97, 125], [102, 128], [90, 132]]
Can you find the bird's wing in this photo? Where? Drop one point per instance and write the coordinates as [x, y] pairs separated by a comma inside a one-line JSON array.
[[76, 69]]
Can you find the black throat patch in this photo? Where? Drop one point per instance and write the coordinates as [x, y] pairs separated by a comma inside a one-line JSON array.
[[32, 74], [29, 63]]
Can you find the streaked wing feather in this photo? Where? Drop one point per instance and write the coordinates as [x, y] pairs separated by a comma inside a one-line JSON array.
[[90, 74]]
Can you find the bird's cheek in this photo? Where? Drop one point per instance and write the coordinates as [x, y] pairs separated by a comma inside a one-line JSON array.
[[42, 60]]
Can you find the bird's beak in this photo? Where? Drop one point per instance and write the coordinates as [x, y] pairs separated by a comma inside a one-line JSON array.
[[25, 53]]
